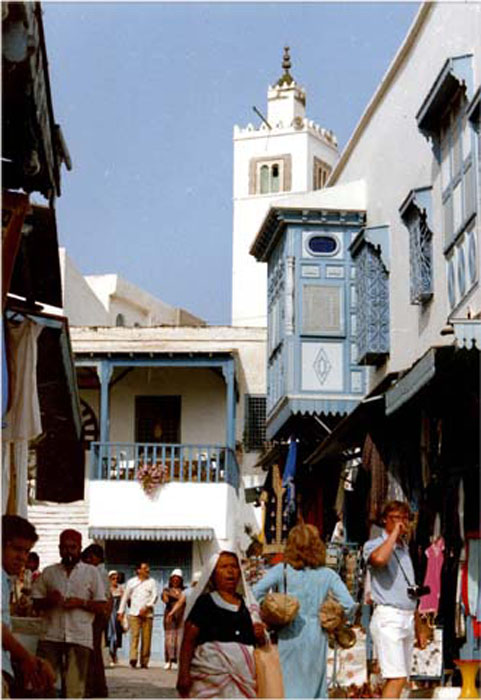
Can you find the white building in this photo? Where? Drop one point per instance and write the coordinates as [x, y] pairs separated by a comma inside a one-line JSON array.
[[160, 390], [413, 164], [286, 155]]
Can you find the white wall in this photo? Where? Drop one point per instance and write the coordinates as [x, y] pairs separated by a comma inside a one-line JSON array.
[[124, 504], [80, 304], [393, 157], [249, 278], [119, 296], [202, 402]]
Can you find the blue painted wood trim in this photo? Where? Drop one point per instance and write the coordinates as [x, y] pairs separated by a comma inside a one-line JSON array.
[[228, 372], [89, 360], [104, 369]]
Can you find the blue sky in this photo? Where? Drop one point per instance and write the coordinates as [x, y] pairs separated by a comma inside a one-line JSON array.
[[147, 95]]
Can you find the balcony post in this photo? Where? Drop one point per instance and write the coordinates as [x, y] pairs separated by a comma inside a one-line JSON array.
[[104, 371], [229, 376], [228, 371]]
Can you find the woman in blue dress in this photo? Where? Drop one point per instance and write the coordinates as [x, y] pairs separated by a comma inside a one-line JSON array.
[[303, 643]]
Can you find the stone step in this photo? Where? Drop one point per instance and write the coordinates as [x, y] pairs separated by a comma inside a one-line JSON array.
[[50, 519]]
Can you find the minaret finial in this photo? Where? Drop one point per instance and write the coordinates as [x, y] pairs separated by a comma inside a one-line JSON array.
[[286, 78]]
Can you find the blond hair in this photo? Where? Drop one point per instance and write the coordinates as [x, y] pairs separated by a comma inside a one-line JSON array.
[[304, 547]]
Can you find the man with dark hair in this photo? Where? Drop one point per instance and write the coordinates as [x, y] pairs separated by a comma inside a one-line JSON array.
[[141, 591], [69, 593], [96, 681], [18, 538], [393, 591]]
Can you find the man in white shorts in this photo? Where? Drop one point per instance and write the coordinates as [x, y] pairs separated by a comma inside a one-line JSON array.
[[393, 620]]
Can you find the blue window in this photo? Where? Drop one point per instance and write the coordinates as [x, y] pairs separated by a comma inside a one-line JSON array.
[[415, 215], [322, 245], [443, 119]]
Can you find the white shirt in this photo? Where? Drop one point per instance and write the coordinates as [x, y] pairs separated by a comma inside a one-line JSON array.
[[142, 594], [71, 626]]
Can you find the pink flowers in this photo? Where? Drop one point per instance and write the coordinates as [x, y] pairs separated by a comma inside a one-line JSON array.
[[152, 476]]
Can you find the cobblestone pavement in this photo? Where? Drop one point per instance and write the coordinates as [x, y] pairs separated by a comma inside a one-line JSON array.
[[152, 682]]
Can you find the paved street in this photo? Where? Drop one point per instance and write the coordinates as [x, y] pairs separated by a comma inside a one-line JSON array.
[[153, 682]]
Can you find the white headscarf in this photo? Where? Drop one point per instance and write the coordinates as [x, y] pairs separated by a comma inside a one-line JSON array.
[[243, 587]]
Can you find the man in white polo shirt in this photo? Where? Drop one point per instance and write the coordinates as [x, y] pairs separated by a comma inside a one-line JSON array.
[[69, 594], [141, 592], [395, 598]]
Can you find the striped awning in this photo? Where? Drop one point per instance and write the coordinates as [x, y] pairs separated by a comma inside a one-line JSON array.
[[151, 533]]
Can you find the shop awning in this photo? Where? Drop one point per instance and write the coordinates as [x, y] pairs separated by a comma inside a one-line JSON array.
[[351, 430], [152, 533], [420, 374], [36, 272]]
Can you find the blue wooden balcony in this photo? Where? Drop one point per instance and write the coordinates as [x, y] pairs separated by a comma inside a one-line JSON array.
[[121, 461]]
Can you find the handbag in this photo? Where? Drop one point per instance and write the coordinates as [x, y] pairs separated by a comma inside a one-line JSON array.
[[124, 623], [332, 620], [268, 672], [279, 609]]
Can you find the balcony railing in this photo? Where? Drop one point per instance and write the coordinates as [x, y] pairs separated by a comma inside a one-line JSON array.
[[121, 461]]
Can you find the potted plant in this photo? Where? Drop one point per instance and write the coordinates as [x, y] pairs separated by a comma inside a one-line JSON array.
[[152, 476]]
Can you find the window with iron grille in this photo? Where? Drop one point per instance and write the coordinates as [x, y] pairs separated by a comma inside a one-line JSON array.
[[255, 423], [420, 254]]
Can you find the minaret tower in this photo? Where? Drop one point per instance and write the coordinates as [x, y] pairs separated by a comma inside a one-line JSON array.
[[286, 155]]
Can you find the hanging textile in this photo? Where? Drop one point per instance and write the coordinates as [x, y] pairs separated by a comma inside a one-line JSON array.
[[425, 448], [373, 462], [288, 478], [23, 418], [471, 593], [23, 421], [435, 557]]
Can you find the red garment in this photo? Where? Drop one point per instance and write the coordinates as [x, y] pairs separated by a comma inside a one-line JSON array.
[[435, 556]]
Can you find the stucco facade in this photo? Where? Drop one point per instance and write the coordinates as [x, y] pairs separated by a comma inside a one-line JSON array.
[[294, 144], [391, 155]]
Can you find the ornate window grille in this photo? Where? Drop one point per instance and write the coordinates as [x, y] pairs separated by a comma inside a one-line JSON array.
[[420, 258], [255, 423], [415, 214], [372, 303]]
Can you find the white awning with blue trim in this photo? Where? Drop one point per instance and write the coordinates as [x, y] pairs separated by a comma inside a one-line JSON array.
[[151, 533]]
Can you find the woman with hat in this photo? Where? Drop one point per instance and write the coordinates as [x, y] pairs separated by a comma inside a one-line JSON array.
[[172, 623]]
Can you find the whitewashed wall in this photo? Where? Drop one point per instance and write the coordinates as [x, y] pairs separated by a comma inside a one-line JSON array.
[[393, 157], [124, 504]]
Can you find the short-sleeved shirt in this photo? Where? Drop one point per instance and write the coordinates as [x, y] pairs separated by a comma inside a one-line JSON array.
[[141, 594], [71, 626], [6, 620], [218, 621], [388, 584]]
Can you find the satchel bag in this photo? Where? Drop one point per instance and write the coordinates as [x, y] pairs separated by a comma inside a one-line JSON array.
[[331, 614], [268, 672], [279, 609], [332, 620]]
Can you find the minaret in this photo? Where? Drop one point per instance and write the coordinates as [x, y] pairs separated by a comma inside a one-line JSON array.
[[286, 155]]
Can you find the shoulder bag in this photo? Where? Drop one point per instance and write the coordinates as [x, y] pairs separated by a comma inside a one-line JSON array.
[[268, 672], [279, 609]]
